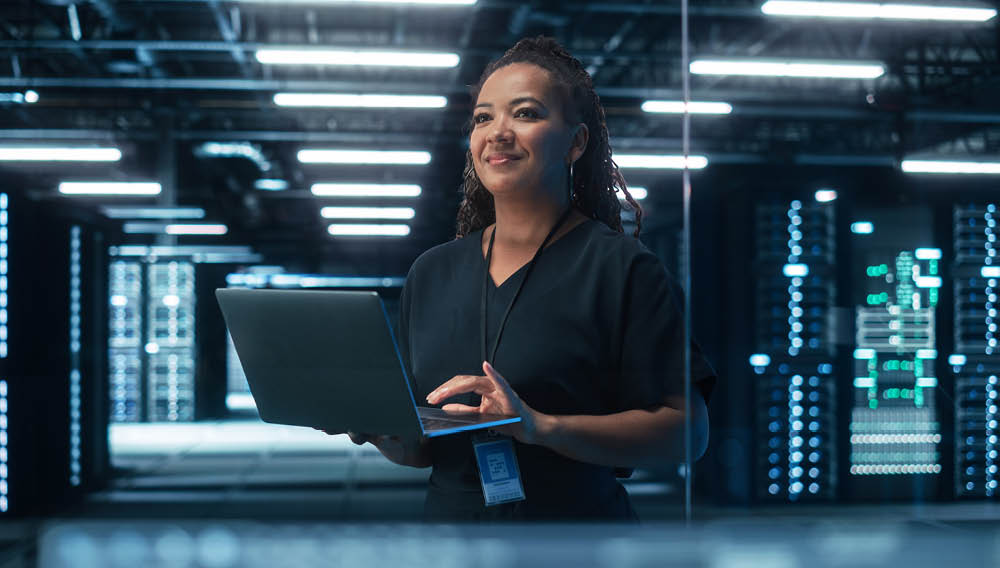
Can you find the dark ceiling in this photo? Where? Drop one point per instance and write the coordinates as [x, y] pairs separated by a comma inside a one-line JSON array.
[[159, 78]]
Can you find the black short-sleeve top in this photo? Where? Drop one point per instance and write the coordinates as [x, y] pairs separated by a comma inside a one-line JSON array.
[[597, 329]]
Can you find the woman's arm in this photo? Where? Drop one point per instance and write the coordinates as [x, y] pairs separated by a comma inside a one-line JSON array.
[[641, 438]]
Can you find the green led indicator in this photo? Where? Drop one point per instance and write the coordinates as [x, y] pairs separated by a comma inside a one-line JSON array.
[[876, 299], [873, 404], [932, 267], [876, 271]]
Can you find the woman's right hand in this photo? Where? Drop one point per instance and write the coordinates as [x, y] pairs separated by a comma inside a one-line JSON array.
[[358, 439], [392, 447]]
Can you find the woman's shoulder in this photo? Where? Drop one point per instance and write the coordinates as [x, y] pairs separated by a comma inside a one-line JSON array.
[[447, 253], [605, 243]]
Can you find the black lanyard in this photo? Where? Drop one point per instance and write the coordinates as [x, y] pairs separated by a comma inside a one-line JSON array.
[[527, 272]]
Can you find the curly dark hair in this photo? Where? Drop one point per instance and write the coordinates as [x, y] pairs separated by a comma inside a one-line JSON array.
[[596, 177]]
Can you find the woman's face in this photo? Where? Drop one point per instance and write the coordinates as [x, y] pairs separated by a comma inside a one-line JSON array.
[[520, 140]]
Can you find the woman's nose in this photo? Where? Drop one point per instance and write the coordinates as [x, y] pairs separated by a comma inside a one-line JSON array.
[[499, 132]]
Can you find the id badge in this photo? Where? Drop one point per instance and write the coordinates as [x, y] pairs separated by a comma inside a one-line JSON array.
[[498, 470]]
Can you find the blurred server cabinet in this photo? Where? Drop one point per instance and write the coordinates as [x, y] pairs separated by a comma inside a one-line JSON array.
[[53, 428], [151, 345], [170, 342], [894, 426], [124, 340], [976, 361], [794, 371]]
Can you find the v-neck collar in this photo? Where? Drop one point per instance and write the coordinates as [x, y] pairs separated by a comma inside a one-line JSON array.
[[482, 258]]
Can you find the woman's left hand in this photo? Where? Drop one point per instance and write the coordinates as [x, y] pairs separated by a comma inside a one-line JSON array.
[[497, 398]]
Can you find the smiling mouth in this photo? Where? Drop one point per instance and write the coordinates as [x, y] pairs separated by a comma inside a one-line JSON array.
[[501, 161]]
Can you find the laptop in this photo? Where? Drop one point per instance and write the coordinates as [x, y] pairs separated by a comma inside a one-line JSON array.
[[329, 360]]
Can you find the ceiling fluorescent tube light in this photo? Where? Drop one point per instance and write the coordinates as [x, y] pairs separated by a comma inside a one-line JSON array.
[[390, 2], [53, 154], [153, 212], [659, 161], [383, 230], [356, 58], [365, 190], [945, 167], [143, 228], [196, 229], [677, 107], [636, 192], [873, 10], [108, 188], [367, 212], [760, 68], [363, 157], [359, 101]]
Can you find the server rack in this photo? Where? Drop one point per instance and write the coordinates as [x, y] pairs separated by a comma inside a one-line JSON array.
[[151, 346], [794, 371], [976, 361], [895, 429]]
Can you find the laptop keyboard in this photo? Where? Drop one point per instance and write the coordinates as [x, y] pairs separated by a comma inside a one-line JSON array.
[[441, 424]]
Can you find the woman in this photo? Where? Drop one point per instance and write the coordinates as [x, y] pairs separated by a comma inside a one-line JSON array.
[[590, 354]]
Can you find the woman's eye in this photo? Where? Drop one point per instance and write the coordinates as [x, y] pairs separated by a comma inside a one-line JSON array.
[[480, 117], [526, 112]]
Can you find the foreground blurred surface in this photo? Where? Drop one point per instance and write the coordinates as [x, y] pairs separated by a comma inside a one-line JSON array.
[[245, 544]]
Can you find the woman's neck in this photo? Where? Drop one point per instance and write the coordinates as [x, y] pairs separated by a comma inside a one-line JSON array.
[[524, 223]]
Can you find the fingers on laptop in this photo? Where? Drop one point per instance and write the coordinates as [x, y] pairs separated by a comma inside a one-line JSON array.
[[459, 408]]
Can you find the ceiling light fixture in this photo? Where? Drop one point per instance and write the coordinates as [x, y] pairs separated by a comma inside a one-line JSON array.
[[356, 58], [788, 68], [367, 212], [196, 229], [876, 10], [389, 2], [377, 230], [364, 157], [949, 167], [674, 162], [108, 188], [693, 107], [365, 190], [358, 101], [153, 212], [59, 154]]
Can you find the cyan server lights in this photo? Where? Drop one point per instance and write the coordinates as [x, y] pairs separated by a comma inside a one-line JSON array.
[[74, 355], [4, 475]]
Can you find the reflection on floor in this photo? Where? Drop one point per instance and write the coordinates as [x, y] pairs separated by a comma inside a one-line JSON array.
[[247, 468]]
